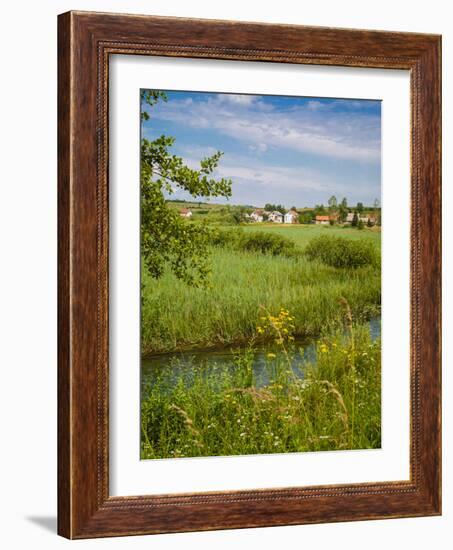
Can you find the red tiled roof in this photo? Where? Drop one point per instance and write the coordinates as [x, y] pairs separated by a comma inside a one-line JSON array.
[[322, 218]]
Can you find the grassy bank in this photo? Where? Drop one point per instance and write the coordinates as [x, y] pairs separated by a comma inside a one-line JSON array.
[[175, 316], [335, 406]]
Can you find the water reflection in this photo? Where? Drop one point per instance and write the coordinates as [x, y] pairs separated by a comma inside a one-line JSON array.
[[190, 363]]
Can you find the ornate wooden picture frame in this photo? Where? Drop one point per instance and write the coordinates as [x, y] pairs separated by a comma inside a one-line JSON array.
[[85, 507]]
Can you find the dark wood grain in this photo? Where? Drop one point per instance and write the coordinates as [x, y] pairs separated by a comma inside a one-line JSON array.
[[85, 42]]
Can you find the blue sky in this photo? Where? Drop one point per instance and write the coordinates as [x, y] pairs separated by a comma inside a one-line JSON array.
[[288, 150]]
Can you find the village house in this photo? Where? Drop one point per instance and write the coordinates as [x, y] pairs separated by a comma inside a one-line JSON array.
[[185, 213], [257, 216], [363, 219], [276, 217], [292, 216], [322, 220], [366, 219]]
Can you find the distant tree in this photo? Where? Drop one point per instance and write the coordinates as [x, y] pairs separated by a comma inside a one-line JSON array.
[[320, 209], [238, 214], [359, 207], [360, 224], [306, 217], [343, 210], [275, 207], [369, 223], [355, 220], [333, 203], [376, 204]]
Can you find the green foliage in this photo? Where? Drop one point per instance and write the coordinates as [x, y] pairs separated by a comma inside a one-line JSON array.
[[167, 240], [360, 224], [355, 220], [333, 203], [306, 217], [226, 237], [266, 243], [343, 210], [359, 207], [150, 98], [335, 403], [274, 207], [340, 252], [261, 242], [222, 215]]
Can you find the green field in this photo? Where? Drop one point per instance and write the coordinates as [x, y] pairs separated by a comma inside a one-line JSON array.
[[244, 284], [301, 234]]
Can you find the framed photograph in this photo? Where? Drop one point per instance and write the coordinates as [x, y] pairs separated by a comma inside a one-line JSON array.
[[249, 275]]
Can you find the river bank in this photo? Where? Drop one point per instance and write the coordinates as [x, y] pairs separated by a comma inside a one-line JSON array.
[[326, 397]]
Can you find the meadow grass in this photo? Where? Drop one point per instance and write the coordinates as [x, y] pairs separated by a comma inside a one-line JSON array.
[[176, 316], [335, 405], [302, 234]]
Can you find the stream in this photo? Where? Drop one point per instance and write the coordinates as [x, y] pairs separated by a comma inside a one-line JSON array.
[[224, 358]]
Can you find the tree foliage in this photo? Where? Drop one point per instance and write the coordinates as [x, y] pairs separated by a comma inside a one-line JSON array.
[[333, 203], [269, 207], [343, 210], [168, 240]]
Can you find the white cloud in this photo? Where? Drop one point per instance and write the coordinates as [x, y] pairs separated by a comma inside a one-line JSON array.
[[310, 130], [236, 99], [274, 176], [314, 105], [258, 148]]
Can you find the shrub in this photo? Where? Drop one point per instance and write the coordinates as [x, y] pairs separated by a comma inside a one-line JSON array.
[[341, 252], [267, 243], [256, 241], [225, 237]]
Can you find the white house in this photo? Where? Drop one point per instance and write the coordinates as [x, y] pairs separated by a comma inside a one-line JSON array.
[[276, 217], [257, 216], [363, 219], [185, 213], [292, 216]]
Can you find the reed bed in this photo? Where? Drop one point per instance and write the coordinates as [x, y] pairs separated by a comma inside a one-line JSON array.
[[175, 316]]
